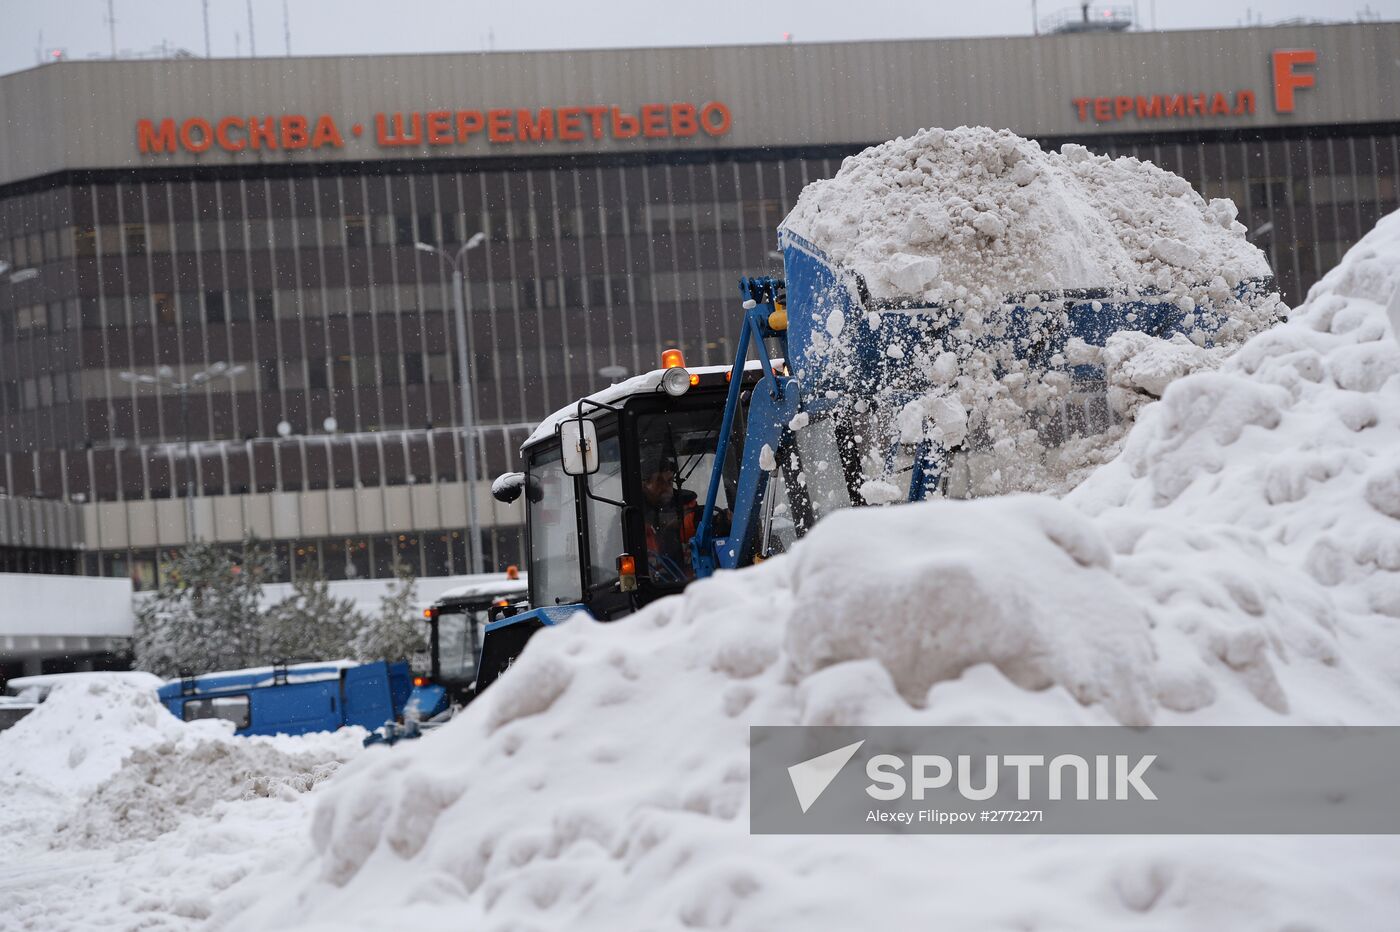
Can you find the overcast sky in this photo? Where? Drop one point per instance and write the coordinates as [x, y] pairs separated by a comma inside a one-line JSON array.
[[29, 28]]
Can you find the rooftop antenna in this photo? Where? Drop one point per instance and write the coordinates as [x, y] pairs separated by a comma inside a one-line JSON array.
[[252, 38], [286, 27], [1035, 20], [207, 52], [112, 27]]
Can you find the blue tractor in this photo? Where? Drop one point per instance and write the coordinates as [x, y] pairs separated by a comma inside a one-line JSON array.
[[671, 476], [456, 622]]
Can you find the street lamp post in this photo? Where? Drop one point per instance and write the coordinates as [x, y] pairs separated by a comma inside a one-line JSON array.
[[166, 376], [464, 382]]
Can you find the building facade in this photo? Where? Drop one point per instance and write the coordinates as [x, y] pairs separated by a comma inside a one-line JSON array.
[[266, 213]]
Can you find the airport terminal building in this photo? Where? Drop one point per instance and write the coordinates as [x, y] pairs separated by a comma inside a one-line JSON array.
[[264, 213]]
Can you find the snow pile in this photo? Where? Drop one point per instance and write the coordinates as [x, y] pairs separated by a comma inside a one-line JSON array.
[[102, 759], [966, 226], [1138, 367], [160, 785], [116, 814], [80, 734], [1026, 617], [1239, 564], [59, 753], [1287, 461], [967, 216]]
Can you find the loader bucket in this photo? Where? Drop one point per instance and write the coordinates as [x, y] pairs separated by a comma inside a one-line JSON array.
[[1038, 332]]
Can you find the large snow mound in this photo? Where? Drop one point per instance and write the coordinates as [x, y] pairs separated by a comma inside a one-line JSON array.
[[1238, 564], [973, 214]]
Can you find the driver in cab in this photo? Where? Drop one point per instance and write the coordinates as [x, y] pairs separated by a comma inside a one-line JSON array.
[[671, 514]]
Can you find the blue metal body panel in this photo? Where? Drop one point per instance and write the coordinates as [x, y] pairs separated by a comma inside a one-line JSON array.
[[548, 615], [308, 699], [425, 702], [372, 697]]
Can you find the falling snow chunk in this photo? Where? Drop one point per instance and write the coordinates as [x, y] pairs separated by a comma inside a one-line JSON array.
[[767, 461], [799, 421], [1174, 252], [880, 492], [894, 351]]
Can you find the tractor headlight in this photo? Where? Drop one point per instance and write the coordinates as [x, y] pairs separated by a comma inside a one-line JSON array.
[[676, 381]]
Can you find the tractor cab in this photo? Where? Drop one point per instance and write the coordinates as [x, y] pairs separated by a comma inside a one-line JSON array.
[[456, 621], [615, 488]]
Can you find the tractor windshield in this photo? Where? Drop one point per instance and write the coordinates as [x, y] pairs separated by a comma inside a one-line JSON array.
[[459, 637], [676, 450]]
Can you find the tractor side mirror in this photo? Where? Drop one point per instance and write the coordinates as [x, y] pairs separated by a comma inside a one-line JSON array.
[[508, 486], [578, 441]]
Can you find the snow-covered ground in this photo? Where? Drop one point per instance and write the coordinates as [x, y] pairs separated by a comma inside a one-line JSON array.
[[116, 815], [1238, 563]]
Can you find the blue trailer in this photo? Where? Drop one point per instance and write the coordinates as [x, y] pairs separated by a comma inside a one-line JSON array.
[[295, 699], [634, 491]]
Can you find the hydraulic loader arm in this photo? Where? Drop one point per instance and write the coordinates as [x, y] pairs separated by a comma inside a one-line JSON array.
[[773, 405]]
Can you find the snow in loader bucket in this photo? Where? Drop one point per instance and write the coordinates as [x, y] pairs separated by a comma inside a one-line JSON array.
[[855, 355]]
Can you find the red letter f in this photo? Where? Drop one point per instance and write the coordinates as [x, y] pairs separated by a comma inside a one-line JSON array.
[[1286, 81]]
